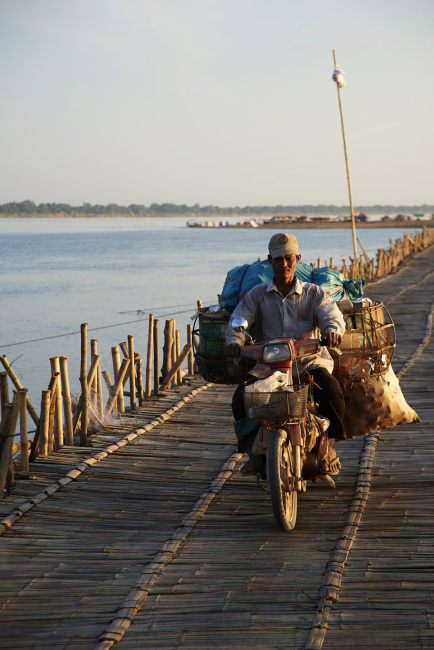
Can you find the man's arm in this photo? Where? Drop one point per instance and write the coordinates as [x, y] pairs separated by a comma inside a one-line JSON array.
[[330, 320], [245, 309]]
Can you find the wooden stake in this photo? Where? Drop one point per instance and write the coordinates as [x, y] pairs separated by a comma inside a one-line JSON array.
[[79, 408], [132, 372], [66, 395], [16, 382], [178, 352], [149, 356], [118, 383], [93, 390], [58, 418], [4, 391], [7, 431], [116, 357], [174, 370], [139, 388], [84, 387], [156, 358], [24, 439], [191, 355], [167, 349], [44, 424]]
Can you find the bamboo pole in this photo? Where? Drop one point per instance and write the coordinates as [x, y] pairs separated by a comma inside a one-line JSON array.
[[140, 393], [175, 376], [124, 348], [66, 395], [132, 372], [166, 381], [191, 355], [118, 383], [24, 438], [116, 358], [79, 408], [156, 358], [53, 441], [58, 419], [7, 432], [178, 352], [149, 356], [353, 220], [44, 422], [93, 389], [167, 349], [16, 382], [4, 391], [84, 387]]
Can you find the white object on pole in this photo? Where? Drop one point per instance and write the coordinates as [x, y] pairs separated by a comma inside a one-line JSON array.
[[338, 77]]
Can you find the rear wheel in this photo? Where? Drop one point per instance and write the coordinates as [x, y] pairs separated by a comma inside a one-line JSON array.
[[280, 473]]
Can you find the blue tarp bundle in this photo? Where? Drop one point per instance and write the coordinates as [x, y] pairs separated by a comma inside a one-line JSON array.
[[242, 278]]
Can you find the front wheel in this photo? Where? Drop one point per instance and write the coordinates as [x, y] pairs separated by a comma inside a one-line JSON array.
[[280, 472]]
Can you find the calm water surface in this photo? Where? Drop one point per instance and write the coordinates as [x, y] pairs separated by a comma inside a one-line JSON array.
[[112, 272]]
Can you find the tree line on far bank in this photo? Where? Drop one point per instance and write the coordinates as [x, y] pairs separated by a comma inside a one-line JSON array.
[[31, 209]]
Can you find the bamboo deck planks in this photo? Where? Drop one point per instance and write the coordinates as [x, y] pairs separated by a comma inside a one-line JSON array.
[[236, 581]]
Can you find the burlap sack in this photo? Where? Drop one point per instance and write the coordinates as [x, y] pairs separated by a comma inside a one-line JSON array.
[[376, 403]]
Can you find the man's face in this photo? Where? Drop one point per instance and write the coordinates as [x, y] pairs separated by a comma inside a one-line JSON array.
[[284, 267]]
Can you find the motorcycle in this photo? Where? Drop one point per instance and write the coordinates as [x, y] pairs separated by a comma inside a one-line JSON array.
[[291, 435]]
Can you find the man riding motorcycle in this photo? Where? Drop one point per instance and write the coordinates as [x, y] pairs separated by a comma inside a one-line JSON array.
[[287, 307]]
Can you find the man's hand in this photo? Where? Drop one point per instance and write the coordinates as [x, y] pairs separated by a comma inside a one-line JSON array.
[[333, 339], [232, 350]]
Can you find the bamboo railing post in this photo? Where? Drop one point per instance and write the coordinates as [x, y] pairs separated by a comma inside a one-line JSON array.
[[167, 380], [118, 383], [44, 422], [7, 432], [156, 358], [93, 389], [90, 377], [132, 372], [4, 391], [24, 439], [53, 440], [149, 356], [175, 376], [16, 382], [190, 355], [58, 418], [167, 349], [116, 357], [178, 352], [139, 377], [319, 262], [84, 387], [66, 395], [124, 348]]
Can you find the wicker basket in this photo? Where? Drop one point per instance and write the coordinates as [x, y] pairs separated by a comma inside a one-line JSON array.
[[280, 405], [368, 343]]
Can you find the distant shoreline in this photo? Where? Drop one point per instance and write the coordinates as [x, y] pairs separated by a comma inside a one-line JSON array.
[[335, 225]]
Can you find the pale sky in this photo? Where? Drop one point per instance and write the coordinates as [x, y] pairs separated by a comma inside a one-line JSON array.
[[224, 102]]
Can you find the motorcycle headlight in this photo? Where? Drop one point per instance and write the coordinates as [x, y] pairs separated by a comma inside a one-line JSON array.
[[275, 352]]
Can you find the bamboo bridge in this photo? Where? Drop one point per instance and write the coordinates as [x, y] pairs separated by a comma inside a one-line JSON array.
[[150, 537]]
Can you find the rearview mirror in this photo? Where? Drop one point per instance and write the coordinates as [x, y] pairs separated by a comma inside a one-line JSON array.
[[240, 324]]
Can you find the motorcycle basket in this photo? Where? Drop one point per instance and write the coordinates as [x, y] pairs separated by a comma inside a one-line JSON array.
[[279, 405], [368, 343]]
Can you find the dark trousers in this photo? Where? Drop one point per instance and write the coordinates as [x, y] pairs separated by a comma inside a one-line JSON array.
[[327, 394]]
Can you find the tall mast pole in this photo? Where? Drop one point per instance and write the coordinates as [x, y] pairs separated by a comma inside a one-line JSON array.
[[353, 221]]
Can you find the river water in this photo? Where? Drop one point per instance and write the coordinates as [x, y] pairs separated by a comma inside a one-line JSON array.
[[112, 272]]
